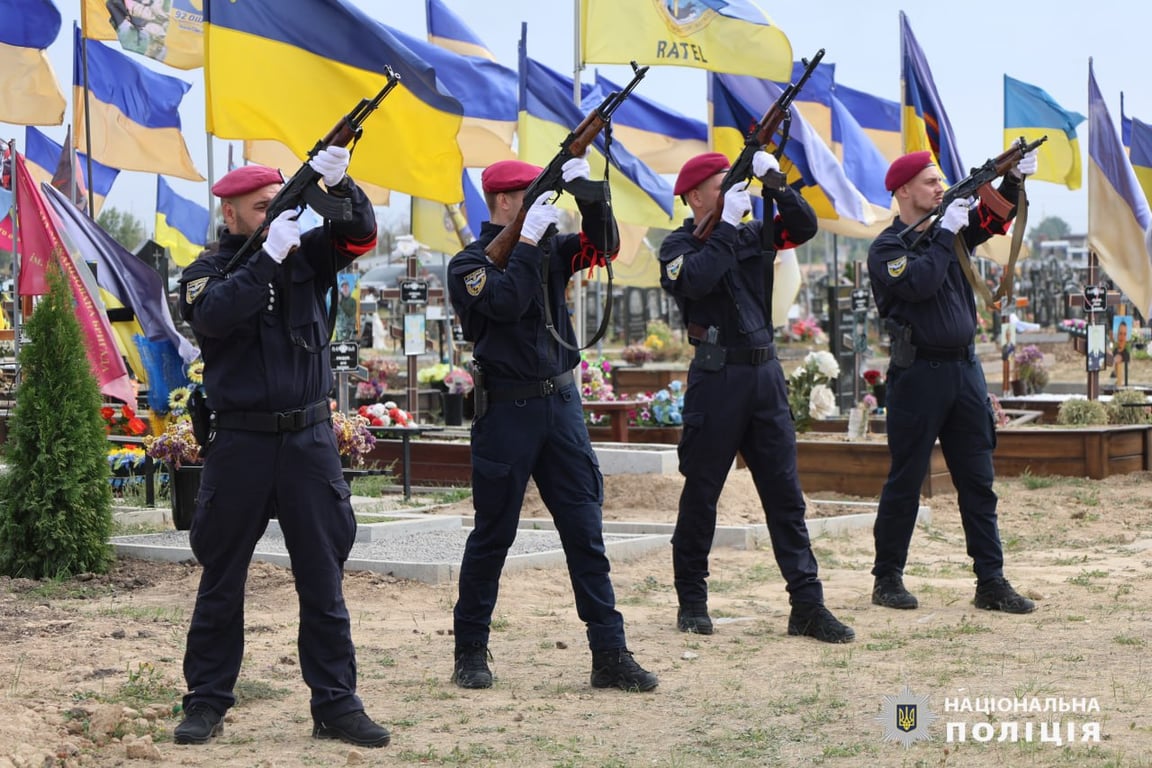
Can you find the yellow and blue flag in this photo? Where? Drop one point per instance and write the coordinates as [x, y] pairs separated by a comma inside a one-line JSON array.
[[306, 64], [448, 30], [864, 164], [486, 89], [733, 36], [659, 137], [181, 225], [1141, 154], [548, 115], [1030, 112], [925, 125], [878, 117], [815, 99], [29, 92], [44, 156], [738, 102], [135, 123], [170, 31], [1119, 219]]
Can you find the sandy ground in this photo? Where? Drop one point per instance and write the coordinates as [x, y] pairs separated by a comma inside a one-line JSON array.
[[91, 668]]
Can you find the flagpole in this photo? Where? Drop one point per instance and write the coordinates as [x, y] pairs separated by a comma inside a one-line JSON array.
[[87, 130], [17, 315], [211, 183]]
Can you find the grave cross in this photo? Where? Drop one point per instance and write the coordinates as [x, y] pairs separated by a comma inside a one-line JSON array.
[[1095, 301]]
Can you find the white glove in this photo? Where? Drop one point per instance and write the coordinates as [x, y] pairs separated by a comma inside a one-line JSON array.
[[955, 217], [540, 216], [576, 168], [736, 203], [1027, 164], [283, 236], [762, 162], [332, 164]]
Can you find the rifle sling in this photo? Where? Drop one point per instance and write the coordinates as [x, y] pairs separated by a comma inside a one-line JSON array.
[[1005, 288]]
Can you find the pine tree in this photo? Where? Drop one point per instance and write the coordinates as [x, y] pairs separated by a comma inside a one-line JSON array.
[[55, 501]]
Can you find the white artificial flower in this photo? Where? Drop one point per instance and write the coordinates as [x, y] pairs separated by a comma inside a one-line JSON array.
[[826, 364], [822, 403]]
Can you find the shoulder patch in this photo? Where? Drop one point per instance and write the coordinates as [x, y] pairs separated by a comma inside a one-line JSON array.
[[674, 267], [475, 281], [193, 289], [896, 267]]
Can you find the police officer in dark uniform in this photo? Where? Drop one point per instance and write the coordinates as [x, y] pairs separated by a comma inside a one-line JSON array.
[[263, 332], [737, 398], [529, 419], [936, 386]]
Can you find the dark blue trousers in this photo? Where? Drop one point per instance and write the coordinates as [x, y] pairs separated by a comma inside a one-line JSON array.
[[247, 477], [740, 408], [949, 401], [545, 439]]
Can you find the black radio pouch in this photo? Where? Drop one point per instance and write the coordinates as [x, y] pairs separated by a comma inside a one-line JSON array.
[[479, 393], [201, 417], [902, 352]]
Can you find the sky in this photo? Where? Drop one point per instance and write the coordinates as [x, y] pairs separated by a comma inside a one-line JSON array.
[[969, 46]]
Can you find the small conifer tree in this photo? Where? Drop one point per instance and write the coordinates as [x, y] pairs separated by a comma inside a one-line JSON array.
[[56, 501]]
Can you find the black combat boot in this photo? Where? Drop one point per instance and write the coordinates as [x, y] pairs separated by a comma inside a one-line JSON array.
[[617, 669], [201, 723], [889, 592], [814, 620], [471, 669], [693, 617], [355, 728], [998, 595]]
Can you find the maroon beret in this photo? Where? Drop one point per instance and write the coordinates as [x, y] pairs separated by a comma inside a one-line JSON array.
[[699, 168], [508, 175], [245, 179], [906, 168]]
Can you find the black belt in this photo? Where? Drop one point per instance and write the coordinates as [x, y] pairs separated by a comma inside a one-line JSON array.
[[529, 389], [750, 355], [944, 354], [281, 421]]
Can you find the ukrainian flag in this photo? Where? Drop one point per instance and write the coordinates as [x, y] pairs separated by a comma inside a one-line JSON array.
[[661, 138], [548, 115], [289, 71], [925, 125], [879, 118], [43, 156], [739, 102], [1030, 112], [815, 98], [1141, 154], [29, 93], [448, 30], [864, 164], [734, 36], [135, 122], [181, 225], [1119, 219]]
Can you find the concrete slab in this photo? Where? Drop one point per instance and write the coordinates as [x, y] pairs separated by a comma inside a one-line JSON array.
[[636, 458]]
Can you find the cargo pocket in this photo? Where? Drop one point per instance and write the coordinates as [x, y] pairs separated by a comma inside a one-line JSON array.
[[343, 539], [491, 483], [693, 423]]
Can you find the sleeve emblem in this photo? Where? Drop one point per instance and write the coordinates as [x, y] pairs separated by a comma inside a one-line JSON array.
[[475, 281], [672, 269], [193, 289], [896, 267]]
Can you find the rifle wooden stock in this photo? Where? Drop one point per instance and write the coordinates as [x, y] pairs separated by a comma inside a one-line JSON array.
[[551, 178], [758, 136], [978, 183]]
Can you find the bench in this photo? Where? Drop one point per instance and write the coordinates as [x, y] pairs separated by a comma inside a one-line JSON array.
[[617, 411]]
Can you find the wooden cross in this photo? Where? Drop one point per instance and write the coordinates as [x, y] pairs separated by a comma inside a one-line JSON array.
[[1095, 301]]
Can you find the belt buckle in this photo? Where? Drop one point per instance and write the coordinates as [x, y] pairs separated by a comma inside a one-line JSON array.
[[547, 387], [291, 421]]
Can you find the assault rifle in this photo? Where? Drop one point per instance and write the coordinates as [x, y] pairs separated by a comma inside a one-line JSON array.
[[758, 136], [303, 189], [979, 183], [551, 178]]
